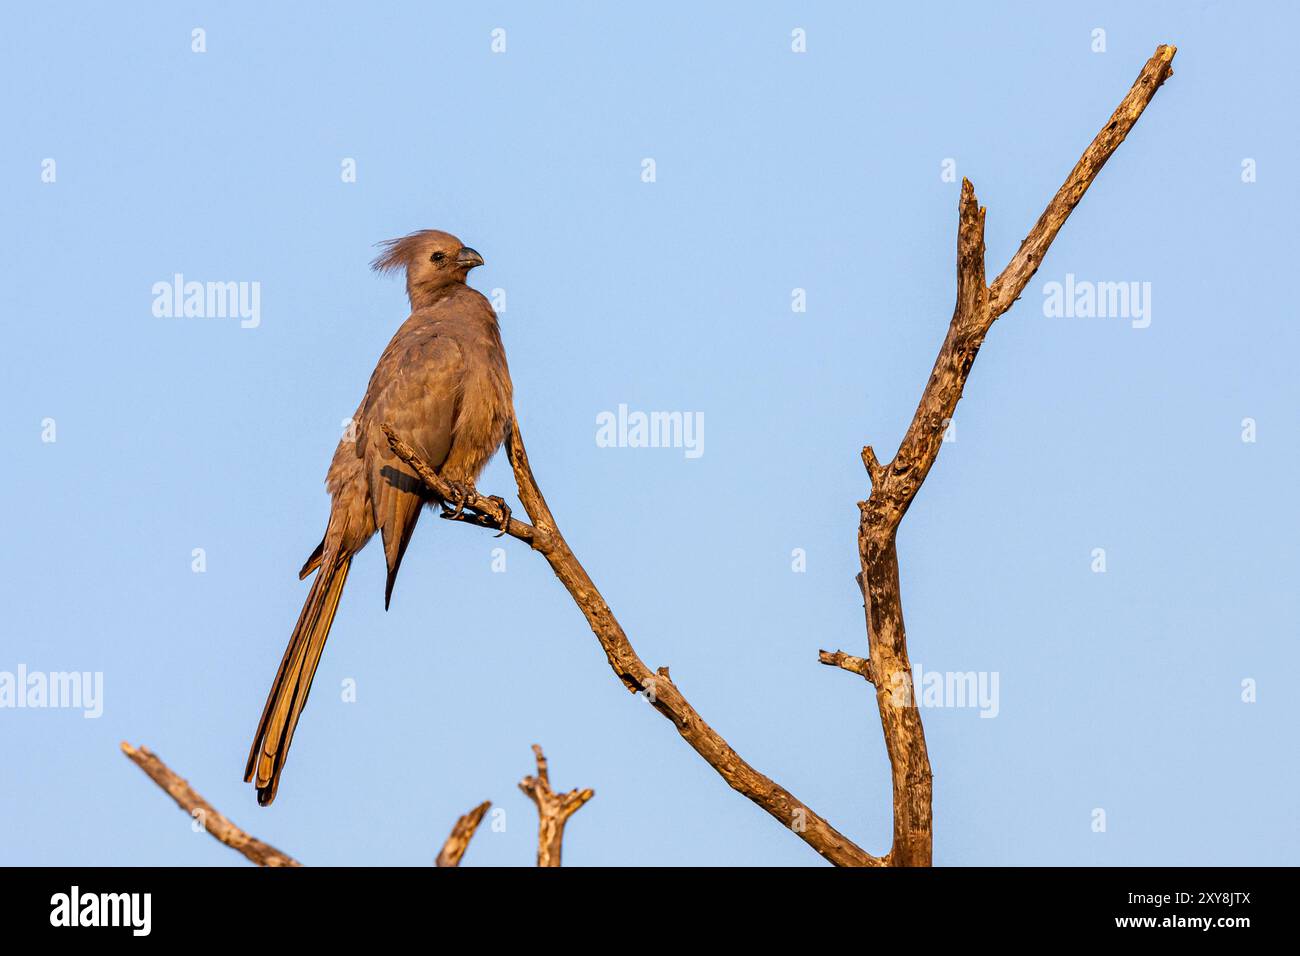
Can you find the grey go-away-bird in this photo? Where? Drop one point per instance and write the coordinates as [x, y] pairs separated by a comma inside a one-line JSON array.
[[443, 385]]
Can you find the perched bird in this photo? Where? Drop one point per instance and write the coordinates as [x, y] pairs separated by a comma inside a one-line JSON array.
[[443, 385]]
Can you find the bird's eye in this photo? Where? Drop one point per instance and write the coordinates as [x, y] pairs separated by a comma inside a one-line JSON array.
[[437, 257]]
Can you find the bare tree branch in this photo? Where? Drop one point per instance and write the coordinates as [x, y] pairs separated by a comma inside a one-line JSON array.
[[263, 854], [461, 834], [1007, 287], [544, 537], [553, 810], [894, 486]]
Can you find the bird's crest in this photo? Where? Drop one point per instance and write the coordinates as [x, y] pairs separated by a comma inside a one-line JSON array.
[[400, 253]]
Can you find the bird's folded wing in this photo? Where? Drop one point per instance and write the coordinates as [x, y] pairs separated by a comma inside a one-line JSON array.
[[416, 388]]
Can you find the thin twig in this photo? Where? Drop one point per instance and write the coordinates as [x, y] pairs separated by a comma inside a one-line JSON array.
[[855, 665]]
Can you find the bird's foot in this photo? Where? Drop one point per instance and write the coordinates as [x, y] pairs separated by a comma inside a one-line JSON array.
[[453, 508], [504, 523], [460, 492]]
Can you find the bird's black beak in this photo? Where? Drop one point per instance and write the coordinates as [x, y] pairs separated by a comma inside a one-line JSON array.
[[468, 259]]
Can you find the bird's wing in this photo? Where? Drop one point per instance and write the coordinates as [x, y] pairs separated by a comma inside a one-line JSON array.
[[416, 389]]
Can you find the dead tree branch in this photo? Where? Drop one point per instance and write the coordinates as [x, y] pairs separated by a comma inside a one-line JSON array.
[[458, 842], [553, 810], [263, 854], [893, 487], [544, 537]]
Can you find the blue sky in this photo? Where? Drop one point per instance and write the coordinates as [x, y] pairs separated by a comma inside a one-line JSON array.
[[1120, 691]]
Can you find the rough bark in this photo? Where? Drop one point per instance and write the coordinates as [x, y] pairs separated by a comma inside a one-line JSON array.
[[553, 810], [458, 842]]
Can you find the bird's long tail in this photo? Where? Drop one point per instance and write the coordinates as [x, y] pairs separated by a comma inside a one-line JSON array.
[[293, 680]]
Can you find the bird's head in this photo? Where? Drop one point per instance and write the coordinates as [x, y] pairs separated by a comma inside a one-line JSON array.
[[432, 260]]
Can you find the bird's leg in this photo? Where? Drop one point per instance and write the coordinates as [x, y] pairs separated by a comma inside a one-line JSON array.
[[504, 524]]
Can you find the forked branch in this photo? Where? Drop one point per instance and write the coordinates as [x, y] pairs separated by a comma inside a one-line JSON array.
[[893, 488], [553, 810]]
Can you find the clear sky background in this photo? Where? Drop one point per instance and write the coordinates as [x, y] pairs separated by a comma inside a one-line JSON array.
[[775, 170]]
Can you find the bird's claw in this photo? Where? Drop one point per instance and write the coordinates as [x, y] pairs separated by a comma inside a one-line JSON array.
[[504, 523], [460, 494]]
